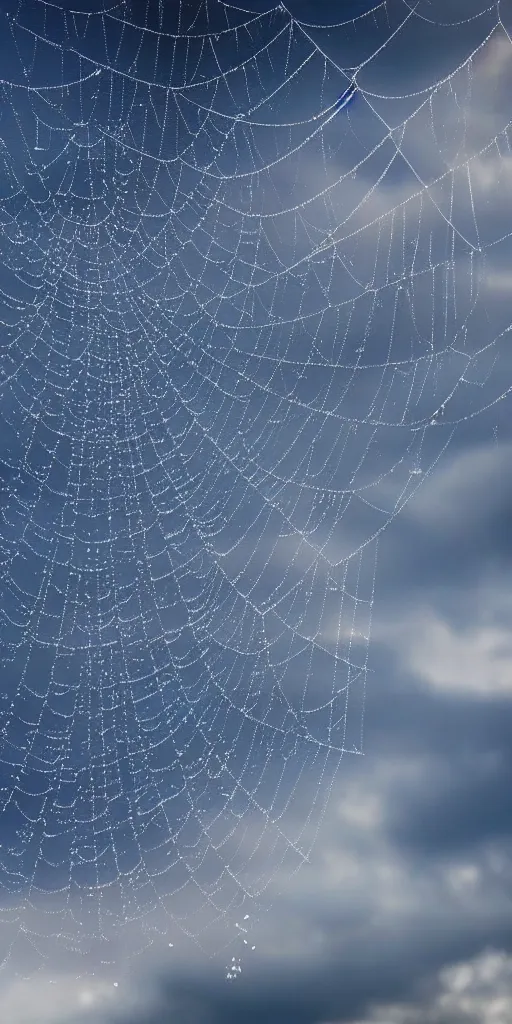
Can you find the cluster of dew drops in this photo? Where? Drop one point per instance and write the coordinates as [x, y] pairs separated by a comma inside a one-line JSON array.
[[234, 969]]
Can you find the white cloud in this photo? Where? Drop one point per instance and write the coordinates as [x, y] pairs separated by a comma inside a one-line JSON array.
[[475, 661], [479, 989], [57, 1000], [497, 58], [498, 281], [453, 495], [463, 878]]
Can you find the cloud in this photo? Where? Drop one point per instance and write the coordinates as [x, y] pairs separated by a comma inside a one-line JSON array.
[[59, 1000], [453, 534], [499, 281], [471, 660], [496, 61], [478, 988], [475, 990]]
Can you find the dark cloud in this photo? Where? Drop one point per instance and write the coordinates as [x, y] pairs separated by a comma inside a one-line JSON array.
[[466, 805], [390, 968], [456, 530]]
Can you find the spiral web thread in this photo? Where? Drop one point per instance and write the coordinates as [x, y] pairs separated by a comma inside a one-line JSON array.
[[226, 351]]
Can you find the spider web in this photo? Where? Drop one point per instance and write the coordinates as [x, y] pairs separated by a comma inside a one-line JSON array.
[[230, 353]]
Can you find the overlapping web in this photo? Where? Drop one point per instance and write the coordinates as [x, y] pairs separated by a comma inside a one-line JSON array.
[[234, 312]]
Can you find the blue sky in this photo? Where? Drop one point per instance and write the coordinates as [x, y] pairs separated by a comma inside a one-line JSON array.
[[233, 357]]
